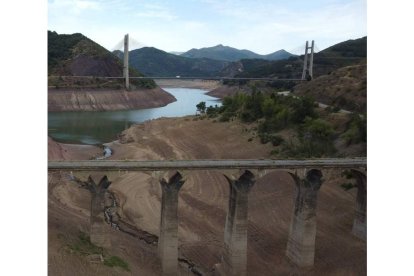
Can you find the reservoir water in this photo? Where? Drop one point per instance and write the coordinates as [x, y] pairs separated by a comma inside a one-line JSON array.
[[102, 127]]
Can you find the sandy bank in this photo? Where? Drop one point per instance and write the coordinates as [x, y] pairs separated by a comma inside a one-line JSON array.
[[105, 100], [59, 151], [200, 84]]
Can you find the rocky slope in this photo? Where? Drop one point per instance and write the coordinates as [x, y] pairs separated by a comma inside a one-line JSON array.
[[345, 88]]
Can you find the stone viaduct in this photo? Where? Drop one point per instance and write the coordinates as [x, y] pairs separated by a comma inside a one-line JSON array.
[[307, 175]]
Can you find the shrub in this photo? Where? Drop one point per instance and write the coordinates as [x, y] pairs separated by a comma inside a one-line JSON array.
[[315, 136], [201, 107], [276, 140], [225, 117], [302, 108], [356, 131], [116, 261], [336, 109]]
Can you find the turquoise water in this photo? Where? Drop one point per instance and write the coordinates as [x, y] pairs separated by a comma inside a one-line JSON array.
[[102, 127]]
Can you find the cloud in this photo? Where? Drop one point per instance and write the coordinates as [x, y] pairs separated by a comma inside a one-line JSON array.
[[156, 12], [262, 26], [73, 7], [277, 24], [83, 5]]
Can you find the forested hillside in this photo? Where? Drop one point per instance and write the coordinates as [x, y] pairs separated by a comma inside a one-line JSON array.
[[76, 55]]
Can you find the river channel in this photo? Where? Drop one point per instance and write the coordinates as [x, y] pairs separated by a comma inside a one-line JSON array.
[[101, 127]]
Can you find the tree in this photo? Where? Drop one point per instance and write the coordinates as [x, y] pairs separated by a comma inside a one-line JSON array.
[[201, 107]]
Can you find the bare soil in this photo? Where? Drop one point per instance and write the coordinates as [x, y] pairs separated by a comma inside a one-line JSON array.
[[202, 206], [200, 84], [225, 91], [104, 100]]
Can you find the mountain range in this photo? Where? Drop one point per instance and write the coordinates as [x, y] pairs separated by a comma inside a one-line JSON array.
[[227, 53], [75, 54], [350, 52], [154, 62], [208, 62]]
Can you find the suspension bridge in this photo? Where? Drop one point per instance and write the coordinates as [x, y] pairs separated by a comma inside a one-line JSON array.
[[307, 72]]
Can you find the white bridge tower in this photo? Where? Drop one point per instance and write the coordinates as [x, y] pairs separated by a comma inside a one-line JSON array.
[[308, 70], [126, 57]]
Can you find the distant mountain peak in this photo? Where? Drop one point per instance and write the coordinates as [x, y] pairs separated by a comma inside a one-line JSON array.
[[227, 53]]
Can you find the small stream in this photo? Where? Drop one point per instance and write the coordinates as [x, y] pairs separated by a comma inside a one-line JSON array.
[[107, 152]]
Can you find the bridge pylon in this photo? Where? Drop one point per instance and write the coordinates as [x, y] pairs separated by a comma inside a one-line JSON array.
[[307, 73], [126, 61]]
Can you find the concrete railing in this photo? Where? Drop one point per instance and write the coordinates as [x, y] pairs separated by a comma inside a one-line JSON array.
[[307, 175], [133, 165]]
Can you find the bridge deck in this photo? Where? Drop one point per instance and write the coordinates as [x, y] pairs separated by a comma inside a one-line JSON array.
[[187, 78], [159, 165]]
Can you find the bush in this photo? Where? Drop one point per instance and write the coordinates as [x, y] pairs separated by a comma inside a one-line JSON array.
[[225, 117], [336, 109], [212, 112], [201, 107], [348, 186], [302, 108], [84, 246], [276, 140], [315, 136], [356, 131], [116, 261]]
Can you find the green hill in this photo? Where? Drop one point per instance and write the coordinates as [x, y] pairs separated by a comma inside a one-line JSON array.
[[346, 53], [76, 55], [227, 53]]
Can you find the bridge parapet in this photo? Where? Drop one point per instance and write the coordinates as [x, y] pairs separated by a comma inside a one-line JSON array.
[[163, 165]]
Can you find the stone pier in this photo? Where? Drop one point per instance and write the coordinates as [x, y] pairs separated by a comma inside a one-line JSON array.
[[168, 238], [98, 229], [359, 228], [302, 232], [234, 259]]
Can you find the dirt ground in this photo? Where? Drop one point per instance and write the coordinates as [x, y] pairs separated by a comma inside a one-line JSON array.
[[104, 100], [200, 84], [202, 207]]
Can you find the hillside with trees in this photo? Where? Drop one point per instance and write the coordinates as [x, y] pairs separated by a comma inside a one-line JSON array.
[[344, 88], [295, 126], [72, 55], [154, 62], [343, 54], [220, 52], [340, 76]]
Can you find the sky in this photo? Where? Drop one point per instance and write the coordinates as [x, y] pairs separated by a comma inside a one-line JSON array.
[[260, 26]]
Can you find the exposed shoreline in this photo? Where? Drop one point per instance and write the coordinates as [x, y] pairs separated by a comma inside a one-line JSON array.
[[106, 100], [199, 84]]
